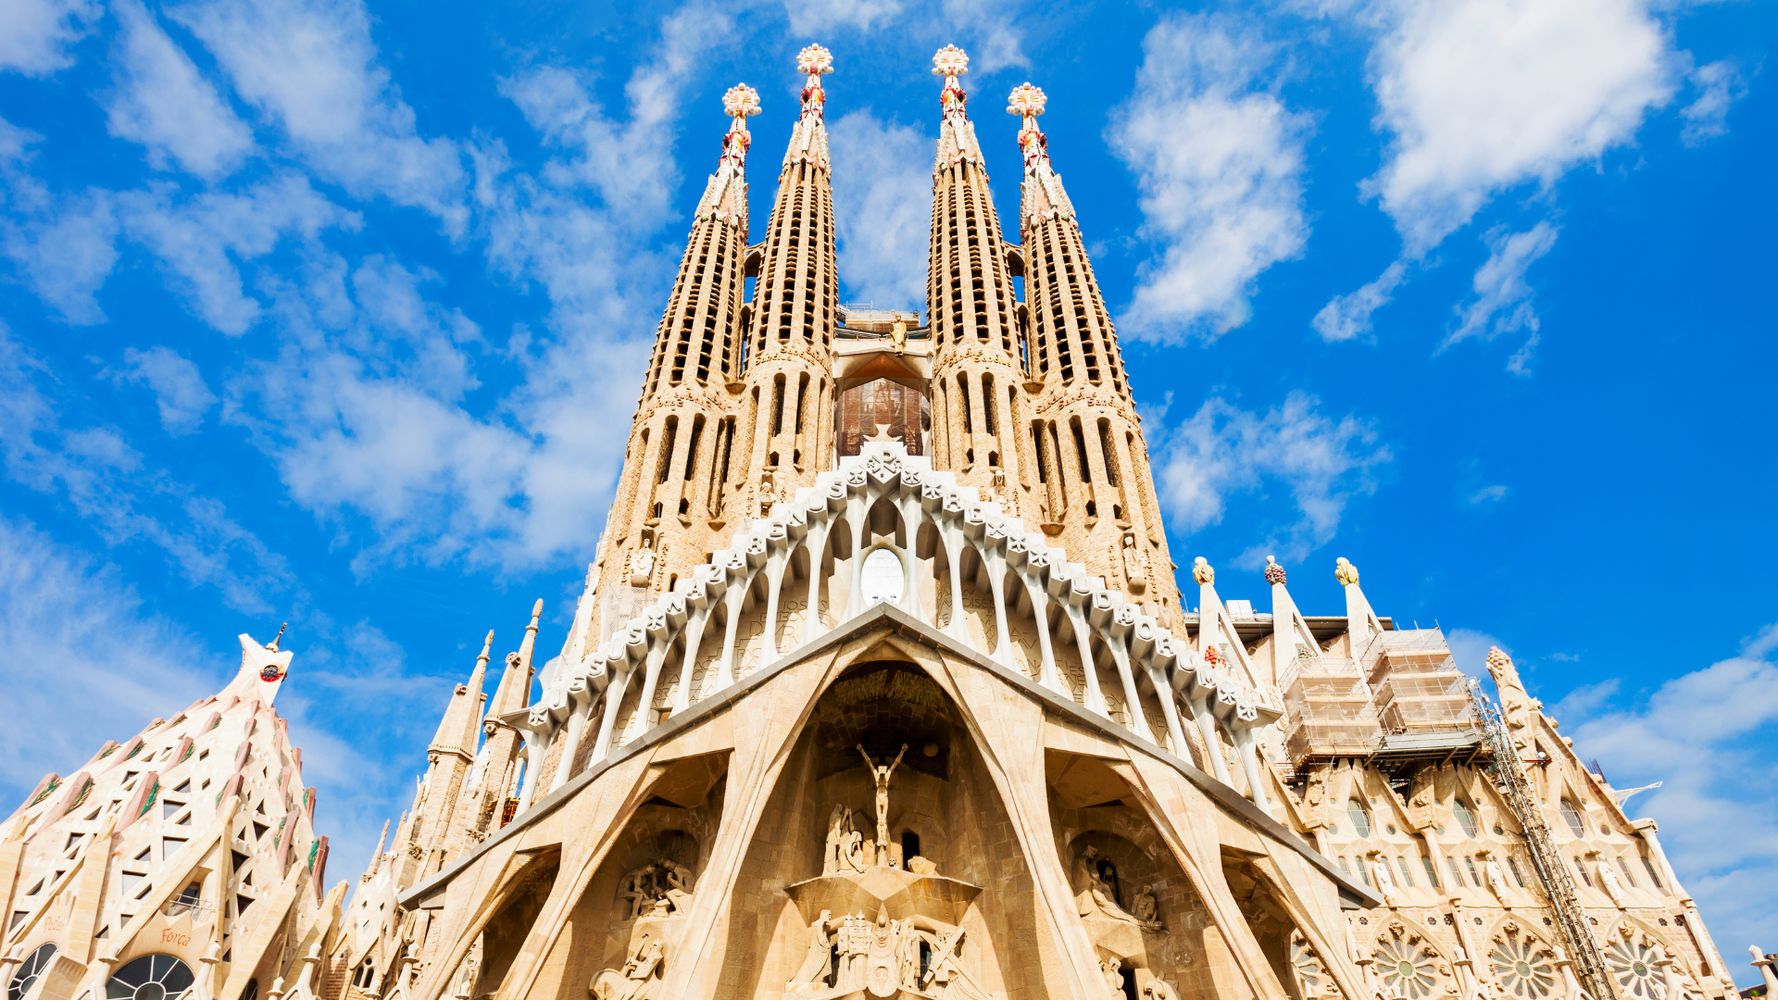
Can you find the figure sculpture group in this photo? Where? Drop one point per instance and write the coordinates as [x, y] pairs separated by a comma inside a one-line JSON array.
[[855, 953], [659, 889], [1094, 895]]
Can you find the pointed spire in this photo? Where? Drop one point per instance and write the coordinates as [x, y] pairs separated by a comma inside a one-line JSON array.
[[1361, 621], [457, 730], [514, 690], [725, 196], [1042, 196], [956, 133], [809, 140]]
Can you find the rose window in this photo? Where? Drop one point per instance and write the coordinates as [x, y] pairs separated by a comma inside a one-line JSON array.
[[29, 970], [151, 977], [1408, 968], [1632, 965], [1523, 968], [1308, 968]]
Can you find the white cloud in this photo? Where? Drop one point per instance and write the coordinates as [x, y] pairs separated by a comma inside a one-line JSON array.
[[1469, 647], [883, 209], [993, 39], [66, 254], [311, 66], [78, 636], [178, 386], [1719, 85], [1483, 95], [109, 484], [162, 101], [35, 34], [1706, 735], [810, 17], [1218, 159], [199, 241], [1222, 451], [1488, 495], [1503, 297], [1349, 316]]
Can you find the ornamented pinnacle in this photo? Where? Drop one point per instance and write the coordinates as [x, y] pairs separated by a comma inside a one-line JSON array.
[[1497, 659], [1345, 572], [952, 62], [1202, 571], [1274, 572], [809, 139], [1026, 101], [814, 60], [741, 101]]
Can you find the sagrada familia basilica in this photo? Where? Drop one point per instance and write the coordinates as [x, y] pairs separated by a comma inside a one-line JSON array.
[[883, 685]]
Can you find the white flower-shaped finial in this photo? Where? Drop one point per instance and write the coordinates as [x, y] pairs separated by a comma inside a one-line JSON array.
[[950, 61], [814, 60], [741, 101], [1026, 101]]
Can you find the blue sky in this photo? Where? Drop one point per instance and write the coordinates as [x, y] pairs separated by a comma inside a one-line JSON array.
[[334, 313]]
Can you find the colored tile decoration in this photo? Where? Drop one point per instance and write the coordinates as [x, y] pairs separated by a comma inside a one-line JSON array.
[[217, 721], [190, 748], [85, 790], [148, 802], [314, 849], [134, 750], [108, 751], [279, 836], [1274, 573], [54, 783]]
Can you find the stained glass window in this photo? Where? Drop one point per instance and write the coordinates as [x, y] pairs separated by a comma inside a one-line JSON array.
[[1572, 816], [29, 971], [151, 977], [1465, 817], [1361, 820]]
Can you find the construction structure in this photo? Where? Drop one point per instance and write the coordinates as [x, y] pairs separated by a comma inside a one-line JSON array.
[[882, 684]]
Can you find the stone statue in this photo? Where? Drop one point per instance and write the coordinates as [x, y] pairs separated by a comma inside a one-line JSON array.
[[837, 822], [1135, 565], [1156, 989], [1146, 909], [921, 865], [1112, 969], [812, 974], [1496, 877], [1202, 571], [638, 979], [1345, 572], [1315, 798], [1608, 879], [1385, 881], [642, 565], [882, 778], [659, 889], [1091, 894], [898, 336], [1422, 797], [765, 493]]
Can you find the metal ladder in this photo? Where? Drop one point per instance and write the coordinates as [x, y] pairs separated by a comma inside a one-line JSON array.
[[1557, 880]]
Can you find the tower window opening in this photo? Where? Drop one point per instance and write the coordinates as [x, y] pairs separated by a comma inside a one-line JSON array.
[[1043, 472], [777, 406], [963, 394], [666, 460], [1080, 450], [691, 448], [1106, 452], [802, 390], [684, 505], [988, 404], [994, 459]]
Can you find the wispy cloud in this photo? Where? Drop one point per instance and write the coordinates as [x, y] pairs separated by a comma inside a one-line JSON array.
[[35, 34], [179, 388], [1349, 316], [1706, 734], [883, 209], [1719, 86], [1219, 161], [1503, 296], [161, 101], [1222, 451]]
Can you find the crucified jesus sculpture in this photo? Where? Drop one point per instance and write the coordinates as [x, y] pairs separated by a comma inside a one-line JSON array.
[[882, 776]]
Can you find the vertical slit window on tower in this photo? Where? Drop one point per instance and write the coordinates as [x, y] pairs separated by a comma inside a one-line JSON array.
[[1080, 449], [963, 394], [1106, 452], [777, 405], [691, 448], [1056, 446], [802, 390], [1043, 472], [988, 404], [666, 462]]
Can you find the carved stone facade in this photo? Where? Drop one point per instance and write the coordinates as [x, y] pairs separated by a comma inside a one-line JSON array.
[[898, 695]]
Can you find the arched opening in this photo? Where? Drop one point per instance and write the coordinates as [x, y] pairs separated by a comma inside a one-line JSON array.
[[881, 410]]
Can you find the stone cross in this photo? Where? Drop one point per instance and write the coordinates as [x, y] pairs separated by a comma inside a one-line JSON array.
[[882, 776]]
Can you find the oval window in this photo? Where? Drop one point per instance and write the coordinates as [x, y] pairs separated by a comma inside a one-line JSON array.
[[882, 577], [29, 971], [1465, 817], [151, 977], [1361, 820]]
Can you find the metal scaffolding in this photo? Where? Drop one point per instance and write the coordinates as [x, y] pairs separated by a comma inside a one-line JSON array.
[[1552, 874]]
